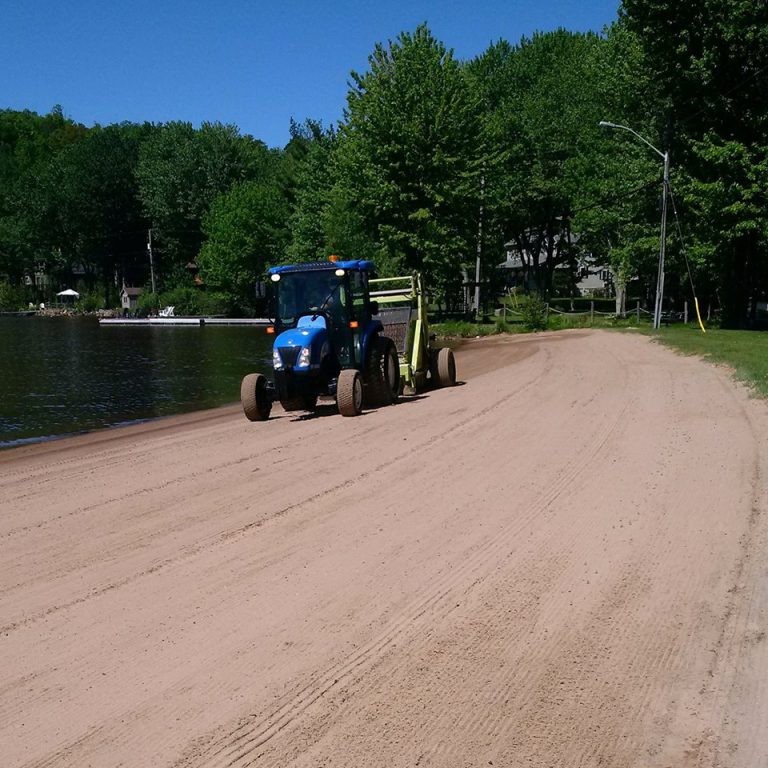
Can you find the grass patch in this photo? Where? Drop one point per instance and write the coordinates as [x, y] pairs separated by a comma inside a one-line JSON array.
[[745, 351], [561, 322], [464, 329]]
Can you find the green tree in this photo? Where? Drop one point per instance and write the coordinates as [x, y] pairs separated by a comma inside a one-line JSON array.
[[616, 180], [409, 156], [28, 144], [246, 230], [711, 61], [92, 187], [540, 119], [180, 173], [557, 187], [315, 181]]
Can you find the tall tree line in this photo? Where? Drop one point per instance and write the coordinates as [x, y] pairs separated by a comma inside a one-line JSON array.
[[426, 143]]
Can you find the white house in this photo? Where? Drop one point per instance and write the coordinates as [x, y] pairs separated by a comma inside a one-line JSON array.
[[594, 278]]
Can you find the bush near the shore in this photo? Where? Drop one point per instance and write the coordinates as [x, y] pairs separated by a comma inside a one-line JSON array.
[[12, 298], [186, 300]]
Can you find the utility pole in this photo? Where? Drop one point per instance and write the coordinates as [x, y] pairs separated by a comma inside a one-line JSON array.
[[151, 259], [479, 246], [662, 246]]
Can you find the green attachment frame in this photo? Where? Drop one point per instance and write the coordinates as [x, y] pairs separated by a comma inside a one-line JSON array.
[[406, 293]]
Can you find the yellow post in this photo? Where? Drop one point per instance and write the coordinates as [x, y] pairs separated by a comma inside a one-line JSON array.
[[698, 314]]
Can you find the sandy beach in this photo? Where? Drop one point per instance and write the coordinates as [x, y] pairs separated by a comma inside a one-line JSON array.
[[560, 562]]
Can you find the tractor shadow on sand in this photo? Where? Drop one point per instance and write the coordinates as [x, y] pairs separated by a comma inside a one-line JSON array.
[[330, 409]]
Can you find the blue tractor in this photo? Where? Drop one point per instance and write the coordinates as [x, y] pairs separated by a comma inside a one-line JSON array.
[[328, 341]]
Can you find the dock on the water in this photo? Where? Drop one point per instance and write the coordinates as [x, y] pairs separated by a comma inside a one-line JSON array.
[[190, 321]]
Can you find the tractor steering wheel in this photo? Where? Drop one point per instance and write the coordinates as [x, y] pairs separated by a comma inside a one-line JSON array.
[[326, 300]]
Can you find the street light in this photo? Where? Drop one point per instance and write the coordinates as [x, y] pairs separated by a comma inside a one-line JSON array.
[[660, 276]]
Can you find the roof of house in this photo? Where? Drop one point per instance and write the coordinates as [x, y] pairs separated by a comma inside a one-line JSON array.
[[131, 291]]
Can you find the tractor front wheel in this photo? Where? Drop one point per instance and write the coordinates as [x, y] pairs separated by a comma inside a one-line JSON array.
[[254, 397], [349, 393]]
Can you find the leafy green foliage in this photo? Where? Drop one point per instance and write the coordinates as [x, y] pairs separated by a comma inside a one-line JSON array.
[[549, 171], [315, 178], [246, 231], [462, 329], [181, 171], [12, 297], [185, 300], [409, 156], [426, 143], [534, 313], [710, 60], [91, 301], [28, 144]]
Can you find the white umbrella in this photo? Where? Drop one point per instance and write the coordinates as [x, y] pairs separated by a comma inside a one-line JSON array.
[[69, 292]]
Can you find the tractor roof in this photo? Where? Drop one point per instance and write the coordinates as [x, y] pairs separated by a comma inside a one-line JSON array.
[[327, 266]]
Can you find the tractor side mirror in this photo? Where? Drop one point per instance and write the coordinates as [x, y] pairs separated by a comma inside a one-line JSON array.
[[261, 289], [374, 308]]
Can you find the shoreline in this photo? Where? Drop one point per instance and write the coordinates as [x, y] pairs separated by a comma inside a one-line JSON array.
[[143, 427], [152, 424]]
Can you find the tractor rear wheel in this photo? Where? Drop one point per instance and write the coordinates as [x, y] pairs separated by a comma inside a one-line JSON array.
[[446, 368], [349, 393], [382, 373], [254, 397], [391, 371]]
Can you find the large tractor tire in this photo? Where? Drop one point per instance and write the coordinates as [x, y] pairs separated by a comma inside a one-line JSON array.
[[254, 397], [391, 370], [349, 393], [446, 368], [382, 373]]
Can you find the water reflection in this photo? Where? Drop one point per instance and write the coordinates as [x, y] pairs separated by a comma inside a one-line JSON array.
[[65, 375]]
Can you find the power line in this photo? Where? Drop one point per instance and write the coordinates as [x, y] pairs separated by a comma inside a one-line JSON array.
[[616, 198], [726, 93]]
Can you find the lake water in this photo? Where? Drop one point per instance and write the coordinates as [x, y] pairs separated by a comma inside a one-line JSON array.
[[62, 376]]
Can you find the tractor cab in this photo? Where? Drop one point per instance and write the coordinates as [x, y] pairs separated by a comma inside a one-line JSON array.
[[328, 296]]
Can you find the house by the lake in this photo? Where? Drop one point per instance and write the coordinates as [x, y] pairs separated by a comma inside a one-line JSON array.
[[129, 298], [591, 277]]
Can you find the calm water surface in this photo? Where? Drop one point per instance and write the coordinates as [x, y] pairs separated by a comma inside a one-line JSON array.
[[61, 376]]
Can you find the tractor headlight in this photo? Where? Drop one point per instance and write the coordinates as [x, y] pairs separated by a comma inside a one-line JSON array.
[[277, 361], [303, 358]]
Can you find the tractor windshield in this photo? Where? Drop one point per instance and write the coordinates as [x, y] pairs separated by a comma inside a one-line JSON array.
[[302, 292]]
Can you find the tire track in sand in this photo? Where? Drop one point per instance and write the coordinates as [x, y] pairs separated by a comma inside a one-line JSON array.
[[237, 746]]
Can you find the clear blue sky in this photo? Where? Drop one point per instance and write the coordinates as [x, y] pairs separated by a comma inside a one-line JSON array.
[[252, 63]]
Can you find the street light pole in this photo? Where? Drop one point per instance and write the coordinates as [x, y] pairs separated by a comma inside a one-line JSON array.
[[479, 246], [151, 259], [663, 240], [660, 286]]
